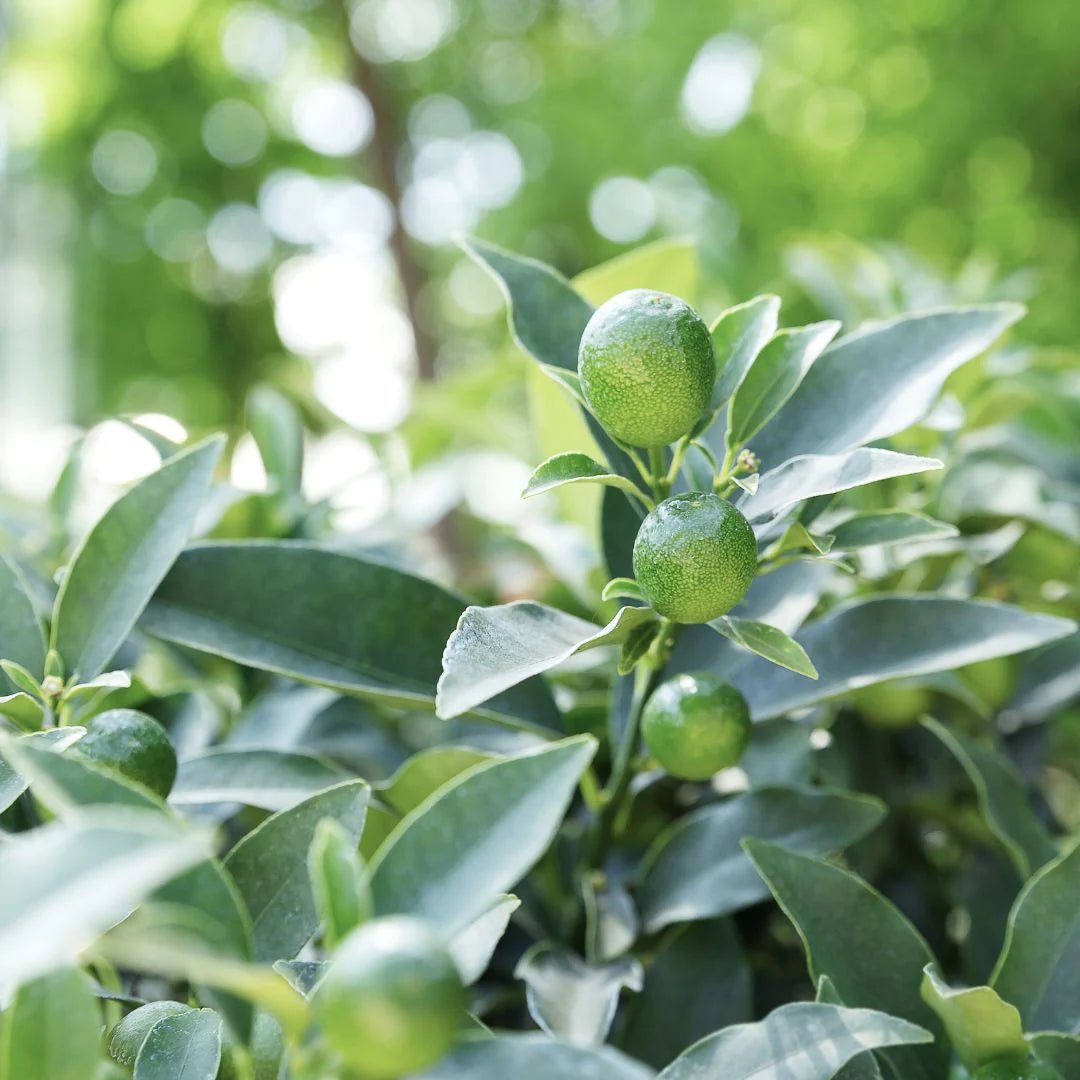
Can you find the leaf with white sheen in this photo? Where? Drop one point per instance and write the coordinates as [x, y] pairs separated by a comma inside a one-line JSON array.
[[981, 1027], [697, 868], [880, 379], [472, 947], [768, 642], [338, 882], [21, 636], [825, 474], [186, 1046], [268, 779], [124, 557], [574, 468], [863, 1066], [51, 1030], [889, 637], [1039, 967], [1003, 799], [324, 617], [1049, 680], [879, 527], [738, 336], [532, 1056], [424, 773], [868, 949], [12, 782], [278, 432], [494, 648], [478, 836], [78, 878], [573, 1000], [803, 1041], [269, 866], [773, 377]]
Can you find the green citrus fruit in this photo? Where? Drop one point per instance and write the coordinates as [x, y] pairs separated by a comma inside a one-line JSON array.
[[992, 680], [694, 557], [392, 1002], [695, 725], [647, 367], [893, 704], [1016, 1069], [129, 1035], [133, 744]]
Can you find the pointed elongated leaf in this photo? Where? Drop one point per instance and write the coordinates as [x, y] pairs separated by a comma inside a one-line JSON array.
[[769, 642], [848, 928], [424, 773], [981, 1027], [574, 468], [279, 434], [341, 892], [473, 946], [863, 1066], [532, 1057], [1039, 967], [51, 1030], [12, 782], [890, 637], [269, 779], [880, 379], [494, 648], [321, 616], [697, 868], [186, 1046], [478, 836], [1049, 680], [77, 878], [879, 527], [124, 557], [824, 474], [21, 636], [670, 265], [697, 983], [773, 377], [269, 867], [573, 1000], [804, 1041], [1003, 799], [738, 336]]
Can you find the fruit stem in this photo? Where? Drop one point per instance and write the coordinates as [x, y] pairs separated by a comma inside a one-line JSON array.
[[723, 474], [676, 461], [658, 473]]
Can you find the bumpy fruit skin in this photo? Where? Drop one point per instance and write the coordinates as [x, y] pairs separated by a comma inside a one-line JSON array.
[[647, 367], [129, 1035], [695, 725], [133, 744], [694, 557], [1016, 1069], [392, 1002]]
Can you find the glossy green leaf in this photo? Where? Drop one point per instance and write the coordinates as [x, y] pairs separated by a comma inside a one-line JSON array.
[[186, 1046], [424, 773], [1060, 1051], [51, 1030], [573, 1000], [697, 982], [622, 588], [773, 377], [769, 642], [21, 636], [122, 560], [980, 1026], [532, 1057], [803, 1041], [270, 869], [1039, 967], [697, 868], [338, 883], [574, 468], [494, 648], [863, 1066], [278, 606], [472, 947], [868, 949], [637, 645], [738, 336], [1003, 799], [79, 877], [279, 434], [269, 779], [12, 782], [878, 527], [806, 477], [478, 836], [23, 710], [889, 637], [880, 379]]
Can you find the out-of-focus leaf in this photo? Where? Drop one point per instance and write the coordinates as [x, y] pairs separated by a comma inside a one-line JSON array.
[[878, 527], [668, 265], [472, 946], [21, 636], [12, 782], [279, 434], [1049, 680]]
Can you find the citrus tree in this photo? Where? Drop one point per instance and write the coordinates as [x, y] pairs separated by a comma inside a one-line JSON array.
[[770, 803]]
